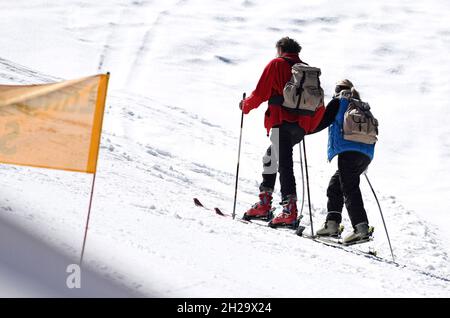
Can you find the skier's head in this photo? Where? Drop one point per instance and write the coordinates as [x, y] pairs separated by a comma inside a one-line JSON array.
[[346, 84], [287, 45], [341, 85]]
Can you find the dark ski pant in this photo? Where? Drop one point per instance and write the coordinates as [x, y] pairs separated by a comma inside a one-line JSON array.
[[278, 157], [344, 188]]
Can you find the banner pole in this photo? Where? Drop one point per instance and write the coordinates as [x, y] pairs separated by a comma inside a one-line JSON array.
[[87, 221], [95, 168]]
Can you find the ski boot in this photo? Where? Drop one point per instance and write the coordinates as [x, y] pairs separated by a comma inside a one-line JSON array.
[[330, 228], [288, 217], [362, 233], [261, 210]]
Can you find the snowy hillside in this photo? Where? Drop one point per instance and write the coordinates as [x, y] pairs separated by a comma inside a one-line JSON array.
[[178, 70]]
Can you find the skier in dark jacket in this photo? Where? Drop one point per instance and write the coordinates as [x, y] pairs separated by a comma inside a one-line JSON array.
[[353, 160], [288, 129]]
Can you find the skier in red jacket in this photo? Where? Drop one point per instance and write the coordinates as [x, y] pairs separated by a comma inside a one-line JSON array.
[[287, 130]]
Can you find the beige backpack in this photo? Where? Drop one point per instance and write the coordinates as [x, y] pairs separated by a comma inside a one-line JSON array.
[[302, 93], [359, 123]]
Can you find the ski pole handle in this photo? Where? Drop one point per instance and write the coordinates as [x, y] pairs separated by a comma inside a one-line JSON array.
[[241, 103]]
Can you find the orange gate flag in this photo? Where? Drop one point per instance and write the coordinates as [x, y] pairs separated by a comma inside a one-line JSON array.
[[56, 125]]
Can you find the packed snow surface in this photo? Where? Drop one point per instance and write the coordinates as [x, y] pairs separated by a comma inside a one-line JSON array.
[[178, 70]]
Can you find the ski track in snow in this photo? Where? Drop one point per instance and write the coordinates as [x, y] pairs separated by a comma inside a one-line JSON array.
[[14, 73], [156, 156]]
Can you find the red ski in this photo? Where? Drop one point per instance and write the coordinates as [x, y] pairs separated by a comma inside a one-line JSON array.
[[216, 210], [219, 212]]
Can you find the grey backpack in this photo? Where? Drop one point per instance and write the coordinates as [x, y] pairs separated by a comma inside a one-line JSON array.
[[359, 123], [302, 93]]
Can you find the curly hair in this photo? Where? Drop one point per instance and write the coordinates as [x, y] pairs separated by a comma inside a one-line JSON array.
[[288, 45]]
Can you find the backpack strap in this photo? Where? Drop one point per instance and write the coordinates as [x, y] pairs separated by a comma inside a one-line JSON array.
[[278, 100], [299, 89], [291, 62]]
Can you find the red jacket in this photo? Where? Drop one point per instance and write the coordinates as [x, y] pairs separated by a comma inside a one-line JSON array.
[[276, 74]]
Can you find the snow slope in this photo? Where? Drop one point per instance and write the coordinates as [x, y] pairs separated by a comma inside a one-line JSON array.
[[178, 69]]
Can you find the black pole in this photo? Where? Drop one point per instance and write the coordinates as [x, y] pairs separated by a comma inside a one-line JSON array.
[[307, 187], [239, 156], [382, 217], [303, 182], [87, 221]]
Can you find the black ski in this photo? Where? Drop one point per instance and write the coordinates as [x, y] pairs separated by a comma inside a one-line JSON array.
[[338, 240], [297, 228], [335, 243]]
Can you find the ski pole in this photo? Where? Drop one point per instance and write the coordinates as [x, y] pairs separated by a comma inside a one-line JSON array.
[[307, 187], [239, 156], [303, 182], [382, 217]]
